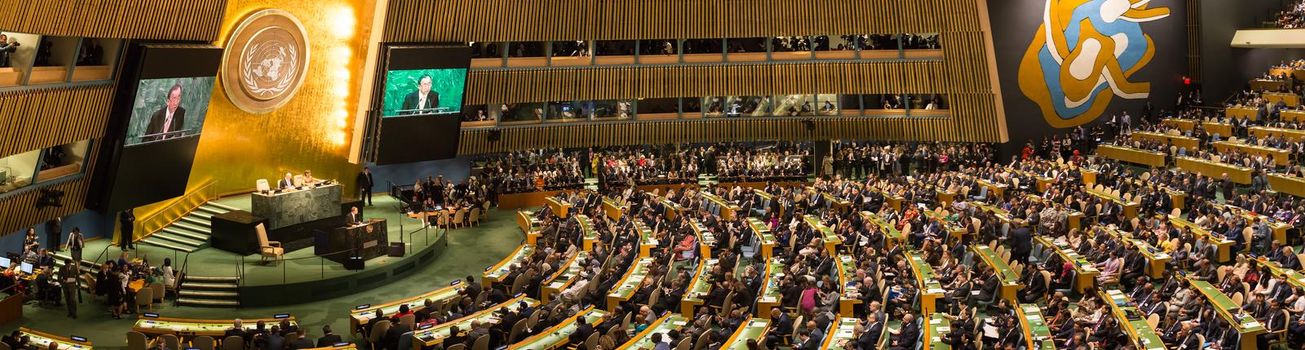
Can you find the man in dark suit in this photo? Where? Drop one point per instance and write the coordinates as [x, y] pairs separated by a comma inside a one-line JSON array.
[[301, 341], [288, 182], [236, 330], [582, 332], [354, 217], [365, 184], [171, 117], [908, 335], [1020, 240], [422, 99], [869, 339], [328, 338], [126, 220]]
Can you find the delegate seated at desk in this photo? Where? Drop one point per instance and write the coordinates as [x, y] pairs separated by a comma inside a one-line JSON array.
[[287, 183]]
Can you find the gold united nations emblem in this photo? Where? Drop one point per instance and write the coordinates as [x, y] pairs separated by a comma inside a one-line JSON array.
[[265, 61]]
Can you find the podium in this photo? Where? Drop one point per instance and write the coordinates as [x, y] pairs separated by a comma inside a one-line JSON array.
[[288, 208], [366, 240]]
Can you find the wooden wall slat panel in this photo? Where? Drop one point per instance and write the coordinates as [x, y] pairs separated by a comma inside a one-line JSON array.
[[36, 120], [534, 20], [198, 20], [962, 75]]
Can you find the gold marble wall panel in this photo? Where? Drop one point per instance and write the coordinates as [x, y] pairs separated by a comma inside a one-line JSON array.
[[311, 131]]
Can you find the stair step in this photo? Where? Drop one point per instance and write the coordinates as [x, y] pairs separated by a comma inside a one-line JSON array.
[[206, 302], [187, 233], [211, 209], [209, 294], [207, 285], [202, 215], [165, 244], [222, 206], [191, 227], [199, 222], [212, 279], [179, 239]]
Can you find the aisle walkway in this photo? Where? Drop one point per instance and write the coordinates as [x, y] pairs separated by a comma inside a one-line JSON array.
[[470, 251]]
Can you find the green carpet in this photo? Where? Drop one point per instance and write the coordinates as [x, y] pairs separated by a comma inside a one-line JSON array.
[[470, 250]]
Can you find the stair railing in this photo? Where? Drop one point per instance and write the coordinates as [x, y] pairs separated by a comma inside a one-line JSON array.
[[181, 278], [175, 209]]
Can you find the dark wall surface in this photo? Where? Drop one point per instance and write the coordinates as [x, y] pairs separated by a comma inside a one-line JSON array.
[[1224, 69], [1151, 71]]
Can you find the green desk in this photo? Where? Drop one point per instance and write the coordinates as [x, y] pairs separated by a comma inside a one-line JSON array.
[[930, 289], [1085, 271], [698, 288], [42, 340], [629, 283], [564, 277], [1156, 258], [756, 328], [894, 236], [614, 208], [587, 228], [936, 326], [497, 272], [827, 235], [1010, 282], [558, 336], [1036, 333], [214, 328], [846, 272], [727, 210], [1245, 325], [560, 207], [763, 234], [706, 239], [1292, 276], [663, 325], [1132, 321], [770, 293], [1223, 246], [646, 240], [435, 335], [843, 336], [1130, 207], [361, 315]]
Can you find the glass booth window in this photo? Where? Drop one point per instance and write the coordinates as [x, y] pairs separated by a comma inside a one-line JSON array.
[[522, 112], [568, 48], [790, 43], [794, 105], [919, 41], [62, 160], [565, 110], [826, 104], [614, 48], [486, 50], [17, 171], [611, 109], [475, 113], [696, 46], [714, 106], [657, 47], [741, 45], [662, 106], [526, 49]]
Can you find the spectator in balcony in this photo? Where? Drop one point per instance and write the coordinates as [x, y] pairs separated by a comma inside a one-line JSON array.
[[8, 45]]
